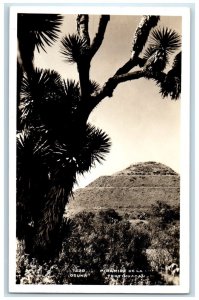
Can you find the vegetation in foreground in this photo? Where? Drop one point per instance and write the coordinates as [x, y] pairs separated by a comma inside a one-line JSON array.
[[106, 248]]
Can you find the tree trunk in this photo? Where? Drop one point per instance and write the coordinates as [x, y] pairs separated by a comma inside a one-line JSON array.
[[47, 238]]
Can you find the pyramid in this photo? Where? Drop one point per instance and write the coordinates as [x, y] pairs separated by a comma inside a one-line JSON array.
[[136, 187]]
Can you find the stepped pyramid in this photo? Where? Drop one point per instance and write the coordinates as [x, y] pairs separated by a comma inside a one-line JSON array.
[[137, 186]]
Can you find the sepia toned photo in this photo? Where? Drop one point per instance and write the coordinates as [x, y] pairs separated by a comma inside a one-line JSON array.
[[98, 194]]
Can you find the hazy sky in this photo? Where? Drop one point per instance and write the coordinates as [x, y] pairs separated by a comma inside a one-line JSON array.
[[142, 126]]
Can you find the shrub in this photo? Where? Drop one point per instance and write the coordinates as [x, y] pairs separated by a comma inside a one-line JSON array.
[[109, 215], [164, 213], [29, 271]]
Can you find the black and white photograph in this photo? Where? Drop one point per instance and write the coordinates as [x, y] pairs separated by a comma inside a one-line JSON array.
[[100, 191]]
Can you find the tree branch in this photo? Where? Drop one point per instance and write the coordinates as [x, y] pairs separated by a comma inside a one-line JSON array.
[[130, 64], [84, 78], [142, 33], [139, 41], [82, 28], [111, 84], [97, 41], [84, 64]]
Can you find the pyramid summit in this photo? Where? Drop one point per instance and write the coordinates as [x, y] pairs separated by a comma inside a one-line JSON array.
[[137, 186], [147, 168], [139, 174]]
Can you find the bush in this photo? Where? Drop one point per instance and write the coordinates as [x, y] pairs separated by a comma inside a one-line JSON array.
[[165, 244], [30, 271], [164, 213], [109, 216]]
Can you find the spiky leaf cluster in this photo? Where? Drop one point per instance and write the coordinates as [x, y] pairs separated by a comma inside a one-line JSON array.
[[40, 94], [40, 29], [95, 145], [80, 153], [94, 87], [32, 146], [171, 84], [166, 39], [48, 100], [162, 43], [73, 47], [72, 92]]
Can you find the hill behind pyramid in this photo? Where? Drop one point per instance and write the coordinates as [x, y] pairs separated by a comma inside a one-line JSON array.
[[136, 187]]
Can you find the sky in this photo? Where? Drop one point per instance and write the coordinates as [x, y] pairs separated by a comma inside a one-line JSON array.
[[141, 124]]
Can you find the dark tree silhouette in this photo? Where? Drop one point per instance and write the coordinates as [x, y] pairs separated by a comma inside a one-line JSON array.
[[55, 142]]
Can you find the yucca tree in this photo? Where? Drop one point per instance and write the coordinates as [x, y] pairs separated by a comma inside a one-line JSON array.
[[52, 149], [55, 141]]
